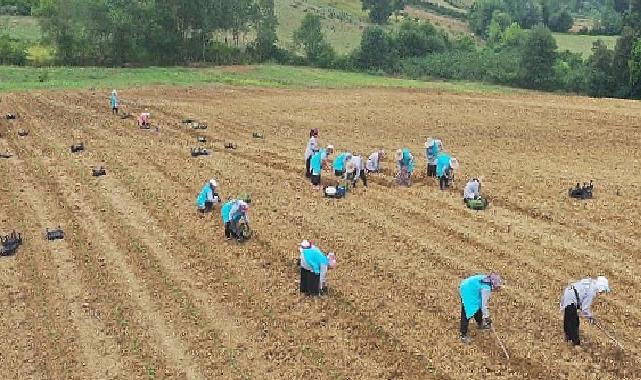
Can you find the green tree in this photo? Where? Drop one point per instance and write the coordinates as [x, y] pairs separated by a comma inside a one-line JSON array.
[[381, 10], [634, 65], [620, 68], [560, 21], [376, 49], [480, 15], [526, 12], [514, 36], [266, 32], [600, 79], [416, 39], [538, 56], [500, 22], [310, 36]]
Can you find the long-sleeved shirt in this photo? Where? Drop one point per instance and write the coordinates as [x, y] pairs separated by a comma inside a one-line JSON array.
[[231, 211], [475, 295], [316, 163], [114, 101], [442, 163], [314, 259], [339, 162], [373, 162], [407, 161], [312, 146], [357, 163], [207, 194], [472, 190], [586, 289], [432, 151]]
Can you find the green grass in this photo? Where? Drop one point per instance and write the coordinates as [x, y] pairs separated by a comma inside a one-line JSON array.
[[343, 34], [25, 78], [580, 43], [24, 28]]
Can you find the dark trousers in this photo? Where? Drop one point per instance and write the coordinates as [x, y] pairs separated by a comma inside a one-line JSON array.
[[339, 173], [114, 110], [431, 170], [308, 172], [309, 282], [443, 182], [316, 179], [228, 232], [478, 317], [571, 324], [363, 177]]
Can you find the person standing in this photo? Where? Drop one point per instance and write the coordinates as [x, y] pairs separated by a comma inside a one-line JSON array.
[[373, 164], [579, 296], [114, 102], [312, 147], [432, 148], [475, 294]]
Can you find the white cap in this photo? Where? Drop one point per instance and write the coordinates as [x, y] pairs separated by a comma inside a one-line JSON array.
[[305, 244], [602, 284], [213, 182], [429, 142]]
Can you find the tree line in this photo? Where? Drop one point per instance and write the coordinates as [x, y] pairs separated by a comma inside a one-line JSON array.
[[160, 32], [518, 50]]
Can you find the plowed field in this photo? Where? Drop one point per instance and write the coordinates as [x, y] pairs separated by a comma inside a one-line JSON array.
[[141, 287]]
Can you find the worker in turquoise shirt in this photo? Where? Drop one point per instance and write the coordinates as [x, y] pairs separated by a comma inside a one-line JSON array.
[[232, 212], [339, 164], [445, 165], [316, 167], [208, 196], [475, 294], [113, 100], [408, 160]]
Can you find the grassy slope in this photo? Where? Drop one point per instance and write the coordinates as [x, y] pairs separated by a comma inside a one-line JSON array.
[[581, 44], [344, 35], [21, 79], [20, 27]]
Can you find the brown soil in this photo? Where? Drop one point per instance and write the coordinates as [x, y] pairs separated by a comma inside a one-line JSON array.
[[143, 288]]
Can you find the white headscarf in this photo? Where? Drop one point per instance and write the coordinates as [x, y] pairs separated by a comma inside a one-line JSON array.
[[602, 284]]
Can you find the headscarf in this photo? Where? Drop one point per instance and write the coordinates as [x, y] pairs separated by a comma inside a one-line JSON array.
[[602, 284], [495, 280]]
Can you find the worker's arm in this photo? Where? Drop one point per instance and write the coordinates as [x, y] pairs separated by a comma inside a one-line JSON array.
[[586, 304], [485, 299]]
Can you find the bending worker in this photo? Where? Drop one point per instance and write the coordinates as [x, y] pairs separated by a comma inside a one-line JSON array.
[[475, 294], [208, 196], [472, 190], [579, 296], [233, 212]]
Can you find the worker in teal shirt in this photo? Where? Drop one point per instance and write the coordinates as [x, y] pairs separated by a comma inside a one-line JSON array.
[[475, 294], [339, 164]]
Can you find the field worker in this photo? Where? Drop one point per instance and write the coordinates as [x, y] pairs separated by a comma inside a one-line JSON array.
[[208, 196], [472, 190], [373, 164], [445, 166], [143, 119], [355, 169], [114, 102], [339, 163], [314, 265], [579, 296], [233, 212], [325, 153], [432, 148], [475, 294], [312, 147], [316, 167], [404, 159]]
